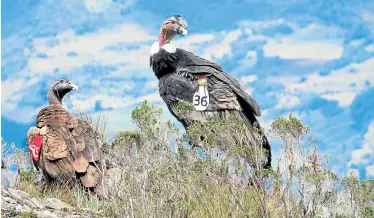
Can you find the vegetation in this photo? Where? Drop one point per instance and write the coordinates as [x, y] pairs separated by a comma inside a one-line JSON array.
[[150, 172]]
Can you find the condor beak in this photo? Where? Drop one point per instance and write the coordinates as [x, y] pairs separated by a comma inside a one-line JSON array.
[[73, 86], [183, 25], [183, 31]]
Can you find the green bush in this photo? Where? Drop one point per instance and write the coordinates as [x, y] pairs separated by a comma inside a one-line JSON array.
[[164, 178]]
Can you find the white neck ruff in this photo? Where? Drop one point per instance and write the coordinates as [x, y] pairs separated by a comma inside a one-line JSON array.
[[167, 47]]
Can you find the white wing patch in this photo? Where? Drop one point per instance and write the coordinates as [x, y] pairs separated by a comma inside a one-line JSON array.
[[168, 47]]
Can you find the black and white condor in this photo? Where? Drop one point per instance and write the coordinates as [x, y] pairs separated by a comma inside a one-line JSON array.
[[184, 76]]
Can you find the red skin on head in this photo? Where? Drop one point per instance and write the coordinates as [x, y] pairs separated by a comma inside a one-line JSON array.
[[164, 29]]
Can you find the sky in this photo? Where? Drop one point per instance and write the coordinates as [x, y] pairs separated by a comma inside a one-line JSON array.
[[313, 58]]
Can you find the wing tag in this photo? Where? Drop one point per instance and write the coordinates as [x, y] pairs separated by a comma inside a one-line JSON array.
[[35, 146], [201, 97]]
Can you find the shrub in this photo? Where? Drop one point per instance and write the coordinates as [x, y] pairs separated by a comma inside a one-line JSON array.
[[151, 172]]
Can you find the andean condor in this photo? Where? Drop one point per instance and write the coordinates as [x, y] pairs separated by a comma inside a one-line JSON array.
[[180, 72], [62, 145]]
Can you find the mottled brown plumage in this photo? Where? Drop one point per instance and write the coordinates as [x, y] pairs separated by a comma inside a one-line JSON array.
[[70, 149]]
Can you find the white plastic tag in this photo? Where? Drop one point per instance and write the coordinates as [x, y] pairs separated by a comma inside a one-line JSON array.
[[201, 97]]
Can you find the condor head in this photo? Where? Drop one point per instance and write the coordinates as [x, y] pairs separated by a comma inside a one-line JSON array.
[[59, 89], [172, 26]]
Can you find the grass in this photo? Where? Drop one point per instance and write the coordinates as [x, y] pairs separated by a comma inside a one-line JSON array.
[[212, 200], [150, 181], [27, 183], [215, 199], [28, 215], [74, 196]]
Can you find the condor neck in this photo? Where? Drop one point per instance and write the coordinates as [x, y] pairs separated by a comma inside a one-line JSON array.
[[165, 38], [53, 97], [161, 39]]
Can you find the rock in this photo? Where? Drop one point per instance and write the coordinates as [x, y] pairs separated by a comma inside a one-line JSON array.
[[16, 194], [8, 202], [37, 203], [4, 192], [46, 214], [73, 216], [15, 203], [54, 203], [22, 208], [21, 196]]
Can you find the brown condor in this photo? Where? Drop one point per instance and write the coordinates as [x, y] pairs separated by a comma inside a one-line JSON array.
[[63, 146]]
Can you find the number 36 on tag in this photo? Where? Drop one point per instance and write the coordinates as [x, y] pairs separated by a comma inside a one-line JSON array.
[[201, 97]]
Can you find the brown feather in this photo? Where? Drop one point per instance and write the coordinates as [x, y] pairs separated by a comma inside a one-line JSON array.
[[91, 177], [55, 146], [80, 164], [61, 170], [64, 137]]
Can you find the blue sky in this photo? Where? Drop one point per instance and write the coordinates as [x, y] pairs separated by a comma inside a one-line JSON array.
[[312, 58]]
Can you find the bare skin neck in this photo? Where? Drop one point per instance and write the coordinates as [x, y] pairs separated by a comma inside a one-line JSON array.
[[165, 37]]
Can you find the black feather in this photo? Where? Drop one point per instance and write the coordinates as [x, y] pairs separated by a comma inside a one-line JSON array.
[[177, 73]]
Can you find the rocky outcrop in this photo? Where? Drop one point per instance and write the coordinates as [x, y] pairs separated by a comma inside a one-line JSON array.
[[16, 203]]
